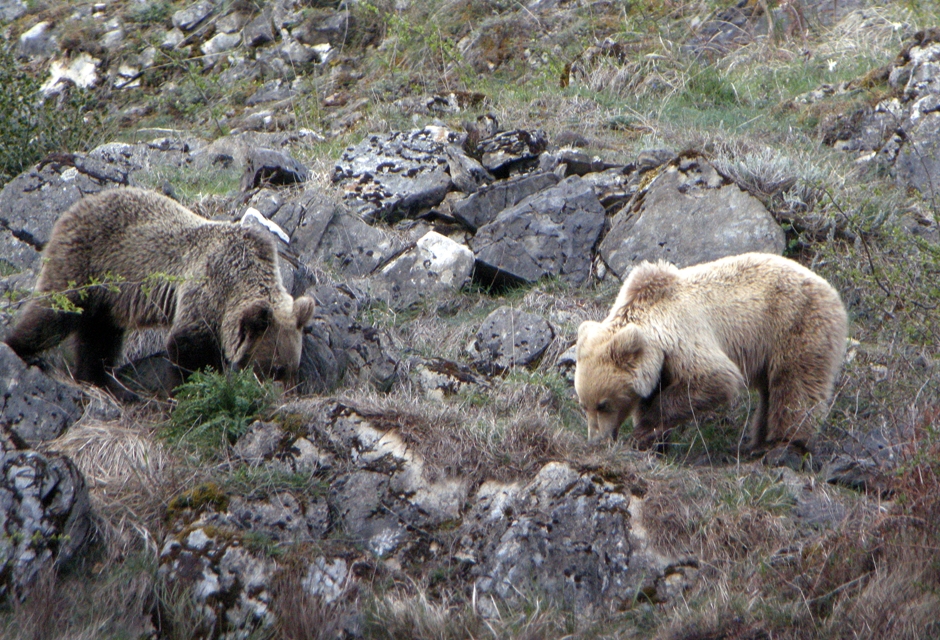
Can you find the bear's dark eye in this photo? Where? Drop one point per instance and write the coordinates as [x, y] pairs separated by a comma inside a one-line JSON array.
[[603, 406]]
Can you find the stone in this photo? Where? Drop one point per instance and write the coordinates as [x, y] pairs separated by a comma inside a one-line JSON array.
[[467, 174], [271, 91], [436, 265], [511, 151], [259, 31], [509, 338], [32, 405], [37, 41], [570, 536], [918, 161], [82, 71], [323, 232], [689, 214], [172, 39], [259, 443], [396, 175], [438, 378], [190, 17], [220, 43], [483, 206], [551, 233], [270, 167], [11, 10], [45, 514]]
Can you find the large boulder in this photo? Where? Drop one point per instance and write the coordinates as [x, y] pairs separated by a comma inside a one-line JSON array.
[[688, 214], [508, 338], [483, 206], [551, 233], [570, 536], [436, 265], [45, 515], [395, 175], [32, 405]]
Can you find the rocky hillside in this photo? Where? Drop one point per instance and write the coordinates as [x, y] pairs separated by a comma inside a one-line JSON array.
[[459, 184]]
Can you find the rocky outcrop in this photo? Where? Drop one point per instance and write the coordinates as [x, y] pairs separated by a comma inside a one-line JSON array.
[[34, 406], [508, 338], [688, 214], [45, 517]]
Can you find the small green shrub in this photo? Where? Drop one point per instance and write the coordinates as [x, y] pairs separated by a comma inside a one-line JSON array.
[[150, 13], [31, 127], [214, 409]]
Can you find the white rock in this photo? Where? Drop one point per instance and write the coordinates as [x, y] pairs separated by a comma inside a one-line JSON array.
[[83, 71]]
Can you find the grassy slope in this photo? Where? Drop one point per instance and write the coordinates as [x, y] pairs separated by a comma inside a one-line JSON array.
[[763, 575]]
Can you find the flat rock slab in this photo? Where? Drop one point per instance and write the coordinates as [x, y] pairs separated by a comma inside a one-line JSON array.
[[687, 215], [190, 17], [551, 233], [323, 231], [271, 167], [396, 175], [436, 265], [569, 536], [510, 337], [511, 151], [482, 207], [45, 515], [32, 405]]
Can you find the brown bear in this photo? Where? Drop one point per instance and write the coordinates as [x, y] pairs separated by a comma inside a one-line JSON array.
[[128, 259], [681, 341]]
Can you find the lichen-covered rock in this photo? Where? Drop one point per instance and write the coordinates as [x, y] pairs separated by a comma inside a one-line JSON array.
[[571, 536], [45, 515], [437, 264], [190, 17], [688, 214], [439, 378], [395, 175], [509, 152], [510, 337], [32, 405], [271, 167], [551, 233], [483, 206]]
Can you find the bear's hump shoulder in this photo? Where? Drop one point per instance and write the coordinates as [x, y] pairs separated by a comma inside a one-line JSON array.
[[648, 283]]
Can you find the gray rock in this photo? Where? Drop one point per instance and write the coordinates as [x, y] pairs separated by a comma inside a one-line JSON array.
[[322, 232], [172, 39], [687, 215], [370, 357], [10, 10], [260, 442], [467, 174], [230, 584], [259, 31], [511, 151], [510, 337], [358, 500], [483, 206], [45, 515], [220, 43], [918, 161], [32, 405], [271, 91], [37, 41], [438, 378], [552, 233], [437, 264], [190, 17], [270, 167], [568, 536], [395, 175]]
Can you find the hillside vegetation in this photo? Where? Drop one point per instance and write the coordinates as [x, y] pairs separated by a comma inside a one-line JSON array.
[[847, 546]]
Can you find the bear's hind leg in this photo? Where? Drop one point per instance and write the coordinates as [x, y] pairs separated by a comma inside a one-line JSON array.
[[758, 426], [791, 410], [39, 328]]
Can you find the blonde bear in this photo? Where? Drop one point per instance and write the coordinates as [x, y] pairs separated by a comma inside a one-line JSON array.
[[678, 342], [129, 259]]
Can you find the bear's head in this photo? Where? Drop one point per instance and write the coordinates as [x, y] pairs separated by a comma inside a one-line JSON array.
[[616, 368], [270, 337]]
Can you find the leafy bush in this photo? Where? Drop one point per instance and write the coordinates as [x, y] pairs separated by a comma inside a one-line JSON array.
[[214, 409], [31, 127]]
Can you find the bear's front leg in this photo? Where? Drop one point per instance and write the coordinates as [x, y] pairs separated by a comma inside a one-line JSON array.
[[656, 417]]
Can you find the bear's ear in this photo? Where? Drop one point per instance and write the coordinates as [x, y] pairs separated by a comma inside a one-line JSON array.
[[303, 310], [587, 329], [255, 320], [630, 350]]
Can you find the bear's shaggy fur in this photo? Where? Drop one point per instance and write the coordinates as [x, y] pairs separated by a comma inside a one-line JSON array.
[[681, 341], [129, 259]]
